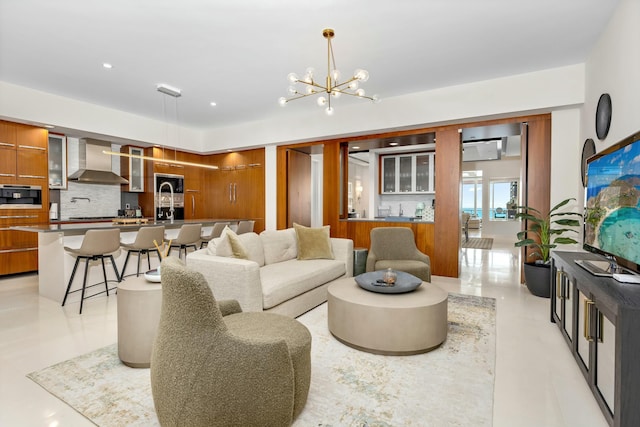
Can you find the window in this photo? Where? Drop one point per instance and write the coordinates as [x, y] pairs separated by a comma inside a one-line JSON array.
[[504, 194], [472, 193]]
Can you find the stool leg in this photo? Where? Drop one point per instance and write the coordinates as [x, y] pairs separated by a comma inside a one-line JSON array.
[[159, 256], [84, 282], [126, 260], [73, 273], [104, 272], [115, 269], [138, 270], [148, 260]]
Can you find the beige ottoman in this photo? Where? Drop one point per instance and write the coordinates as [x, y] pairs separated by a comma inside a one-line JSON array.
[[394, 324], [139, 304]]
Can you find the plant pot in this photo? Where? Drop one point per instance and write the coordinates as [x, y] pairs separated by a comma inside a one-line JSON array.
[[537, 277]]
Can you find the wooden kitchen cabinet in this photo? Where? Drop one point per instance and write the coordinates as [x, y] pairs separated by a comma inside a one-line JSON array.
[[19, 249], [237, 188], [23, 155]]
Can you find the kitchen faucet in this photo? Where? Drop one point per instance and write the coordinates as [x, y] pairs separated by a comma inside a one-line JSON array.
[[400, 210], [171, 210]]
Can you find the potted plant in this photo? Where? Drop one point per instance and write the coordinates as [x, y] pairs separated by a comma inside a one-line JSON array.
[[544, 232]]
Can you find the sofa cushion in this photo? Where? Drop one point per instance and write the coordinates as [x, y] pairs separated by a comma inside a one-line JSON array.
[[313, 243], [288, 279], [248, 245], [279, 245]]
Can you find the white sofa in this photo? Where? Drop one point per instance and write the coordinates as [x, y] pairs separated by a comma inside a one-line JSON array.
[[272, 278]]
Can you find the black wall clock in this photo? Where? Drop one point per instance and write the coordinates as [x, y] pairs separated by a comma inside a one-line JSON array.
[[588, 150], [603, 116]]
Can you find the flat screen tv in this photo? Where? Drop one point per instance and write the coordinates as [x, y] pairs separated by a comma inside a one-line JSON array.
[[612, 203]]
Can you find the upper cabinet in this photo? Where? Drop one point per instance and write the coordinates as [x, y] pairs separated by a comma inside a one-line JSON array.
[[57, 161], [408, 173], [132, 169], [23, 154]]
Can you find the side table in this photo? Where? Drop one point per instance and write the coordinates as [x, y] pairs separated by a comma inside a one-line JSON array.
[[359, 260], [139, 304]]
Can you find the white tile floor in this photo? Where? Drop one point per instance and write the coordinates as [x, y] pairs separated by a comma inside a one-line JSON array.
[[537, 381]]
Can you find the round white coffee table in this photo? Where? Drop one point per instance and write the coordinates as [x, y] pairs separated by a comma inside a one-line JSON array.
[[139, 304], [394, 324]]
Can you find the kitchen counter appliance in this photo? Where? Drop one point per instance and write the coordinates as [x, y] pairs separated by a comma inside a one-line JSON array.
[[20, 196]]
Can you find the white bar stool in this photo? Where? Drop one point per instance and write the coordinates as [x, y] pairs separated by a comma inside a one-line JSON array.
[[216, 231], [96, 245], [145, 242], [188, 236]]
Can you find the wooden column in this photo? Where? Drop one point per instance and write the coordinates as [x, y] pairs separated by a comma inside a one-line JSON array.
[[445, 261]]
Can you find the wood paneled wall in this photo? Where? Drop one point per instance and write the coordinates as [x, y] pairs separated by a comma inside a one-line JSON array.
[[448, 213]]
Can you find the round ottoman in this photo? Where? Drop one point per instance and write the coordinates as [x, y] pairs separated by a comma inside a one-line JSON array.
[[262, 326], [394, 324]]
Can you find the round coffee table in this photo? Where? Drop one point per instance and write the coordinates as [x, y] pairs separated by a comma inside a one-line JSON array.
[[393, 324]]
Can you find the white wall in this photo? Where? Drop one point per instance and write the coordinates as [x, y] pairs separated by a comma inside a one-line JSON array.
[[612, 67]]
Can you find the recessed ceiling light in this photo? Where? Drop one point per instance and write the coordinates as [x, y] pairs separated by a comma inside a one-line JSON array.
[[107, 65], [393, 144], [355, 148], [213, 104]]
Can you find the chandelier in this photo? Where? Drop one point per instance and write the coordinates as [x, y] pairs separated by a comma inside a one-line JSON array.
[[333, 87]]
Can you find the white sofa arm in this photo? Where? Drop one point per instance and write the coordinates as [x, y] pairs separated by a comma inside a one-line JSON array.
[[343, 251], [230, 278]]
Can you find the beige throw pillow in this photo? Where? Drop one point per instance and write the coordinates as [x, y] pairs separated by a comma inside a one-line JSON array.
[[230, 246], [313, 243]]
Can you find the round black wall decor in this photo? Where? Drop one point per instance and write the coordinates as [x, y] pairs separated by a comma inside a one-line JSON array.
[[603, 116], [588, 150]]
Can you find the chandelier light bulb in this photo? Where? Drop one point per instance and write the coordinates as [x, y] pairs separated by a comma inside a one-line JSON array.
[[353, 85], [310, 90], [282, 101], [292, 90], [292, 77], [376, 99], [336, 93], [310, 71], [329, 111], [362, 75], [322, 101], [335, 74], [360, 92]]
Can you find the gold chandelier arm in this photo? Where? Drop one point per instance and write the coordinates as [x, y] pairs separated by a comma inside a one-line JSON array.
[[301, 95], [314, 84], [356, 95]]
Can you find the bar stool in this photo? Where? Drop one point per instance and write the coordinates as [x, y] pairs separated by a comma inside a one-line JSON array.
[[96, 245], [216, 231], [245, 227], [145, 242], [188, 236]]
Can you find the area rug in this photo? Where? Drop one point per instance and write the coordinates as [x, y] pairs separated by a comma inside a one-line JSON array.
[[478, 243], [449, 386]]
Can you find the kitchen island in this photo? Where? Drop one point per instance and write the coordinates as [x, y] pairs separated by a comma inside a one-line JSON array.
[[55, 264]]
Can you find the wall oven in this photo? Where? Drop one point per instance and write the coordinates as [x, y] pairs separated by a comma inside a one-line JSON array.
[[20, 196], [168, 191]]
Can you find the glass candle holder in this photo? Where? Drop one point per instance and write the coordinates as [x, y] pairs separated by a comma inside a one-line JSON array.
[[389, 277]]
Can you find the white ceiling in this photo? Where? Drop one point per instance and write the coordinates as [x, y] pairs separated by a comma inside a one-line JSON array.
[[238, 53]]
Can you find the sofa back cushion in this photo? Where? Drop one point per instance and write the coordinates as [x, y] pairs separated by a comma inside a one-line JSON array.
[[247, 244], [279, 245]]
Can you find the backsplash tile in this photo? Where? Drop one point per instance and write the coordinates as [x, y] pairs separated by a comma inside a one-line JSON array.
[[89, 200]]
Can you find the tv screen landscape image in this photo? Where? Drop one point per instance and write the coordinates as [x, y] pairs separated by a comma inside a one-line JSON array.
[[612, 212]]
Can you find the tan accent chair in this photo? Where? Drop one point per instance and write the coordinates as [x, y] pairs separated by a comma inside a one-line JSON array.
[[144, 244], [216, 231], [395, 247], [96, 245], [188, 237], [245, 227], [243, 369]]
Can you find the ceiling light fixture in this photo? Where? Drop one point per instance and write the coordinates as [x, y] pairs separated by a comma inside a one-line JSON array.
[[332, 87], [176, 93]]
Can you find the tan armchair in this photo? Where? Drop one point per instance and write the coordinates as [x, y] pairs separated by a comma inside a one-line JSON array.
[[395, 247], [244, 369]]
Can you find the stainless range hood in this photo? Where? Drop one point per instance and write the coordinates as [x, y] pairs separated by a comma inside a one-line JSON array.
[[95, 166]]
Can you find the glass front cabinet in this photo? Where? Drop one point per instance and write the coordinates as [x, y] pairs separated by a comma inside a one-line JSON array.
[[57, 161], [408, 173], [133, 169]]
